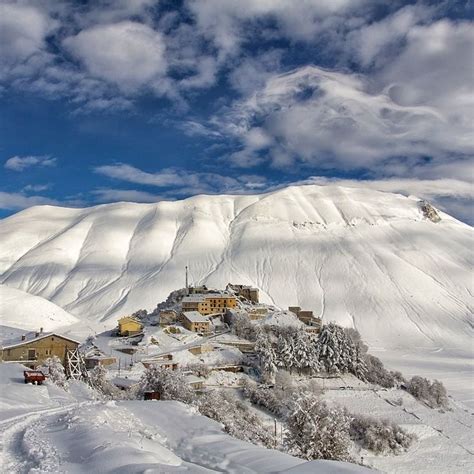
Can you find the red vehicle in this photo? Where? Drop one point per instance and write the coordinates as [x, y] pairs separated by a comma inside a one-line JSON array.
[[34, 376]]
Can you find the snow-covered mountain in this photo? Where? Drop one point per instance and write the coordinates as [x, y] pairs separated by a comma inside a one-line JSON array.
[[358, 257]]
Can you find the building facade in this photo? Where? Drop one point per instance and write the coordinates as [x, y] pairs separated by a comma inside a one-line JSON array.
[[210, 303], [129, 326], [195, 322], [33, 349]]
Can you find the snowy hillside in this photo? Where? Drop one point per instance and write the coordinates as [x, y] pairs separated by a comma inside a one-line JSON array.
[[45, 429], [359, 257], [24, 311]]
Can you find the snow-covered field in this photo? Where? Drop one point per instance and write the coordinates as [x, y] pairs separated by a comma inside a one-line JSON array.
[[45, 429], [444, 437]]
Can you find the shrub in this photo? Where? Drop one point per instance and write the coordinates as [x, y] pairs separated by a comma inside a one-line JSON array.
[[263, 396], [377, 373], [379, 436], [236, 418], [432, 393], [99, 381], [171, 384], [199, 369], [317, 431], [243, 327]]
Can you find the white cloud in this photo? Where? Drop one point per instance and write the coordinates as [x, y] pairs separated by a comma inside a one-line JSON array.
[[36, 188], [128, 54], [23, 30], [336, 120], [435, 69], [182, 182], [20, 163], [229, 23], [16, 201], [371, 39]]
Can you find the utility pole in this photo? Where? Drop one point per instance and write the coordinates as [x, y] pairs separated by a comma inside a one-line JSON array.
[[187, 283]]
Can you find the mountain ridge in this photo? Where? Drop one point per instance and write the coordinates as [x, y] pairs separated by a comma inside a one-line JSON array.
[[360, 257]]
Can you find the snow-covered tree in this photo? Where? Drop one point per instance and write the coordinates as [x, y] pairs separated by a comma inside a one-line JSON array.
[[264, 396], [432, 393], [171, 384], [305, 354], [243, 327], [377, 373], [54, 369], [380, 436], [317, 431], [266, 355], [337, 353], [235, 416], [99, 381]]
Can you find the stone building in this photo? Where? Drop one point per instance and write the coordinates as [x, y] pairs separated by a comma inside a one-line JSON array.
[[195, 322], [33, 349], [210, 303]]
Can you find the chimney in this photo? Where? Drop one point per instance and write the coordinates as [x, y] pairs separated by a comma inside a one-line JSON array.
[[41, 330], [23, 337], [37, 334]]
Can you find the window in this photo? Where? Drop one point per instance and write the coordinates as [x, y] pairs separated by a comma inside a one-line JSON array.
[[47, 352], [31, 354]]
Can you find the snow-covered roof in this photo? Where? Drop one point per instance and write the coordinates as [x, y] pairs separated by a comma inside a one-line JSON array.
[[193, 299], [281, 318], [32, 337], [195, 317], [130, 318]]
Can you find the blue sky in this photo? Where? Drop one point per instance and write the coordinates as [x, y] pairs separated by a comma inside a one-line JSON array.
[[143, 100]]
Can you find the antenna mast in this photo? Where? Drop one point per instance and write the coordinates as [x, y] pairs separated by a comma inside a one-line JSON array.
[[187, 285]]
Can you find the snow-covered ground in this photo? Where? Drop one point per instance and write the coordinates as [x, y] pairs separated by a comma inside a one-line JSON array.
[[28, 312], [44, 429], [444, 437]]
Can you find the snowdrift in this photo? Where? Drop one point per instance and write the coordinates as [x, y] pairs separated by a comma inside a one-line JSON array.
[[359, 257]]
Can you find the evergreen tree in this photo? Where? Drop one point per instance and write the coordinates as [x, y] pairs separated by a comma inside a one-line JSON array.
[[266, 355]]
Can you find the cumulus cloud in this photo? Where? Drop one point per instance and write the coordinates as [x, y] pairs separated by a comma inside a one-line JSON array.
[[229, 24], [368, 41], [334, 120], [127, 53], [24, 29], [20, 163]]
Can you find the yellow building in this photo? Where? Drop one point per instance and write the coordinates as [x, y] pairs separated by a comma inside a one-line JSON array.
[[210, 303], [196, 322], [128, 326], [34, 348]]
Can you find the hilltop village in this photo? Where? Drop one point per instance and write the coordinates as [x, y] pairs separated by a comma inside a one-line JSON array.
[[192, 327]]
